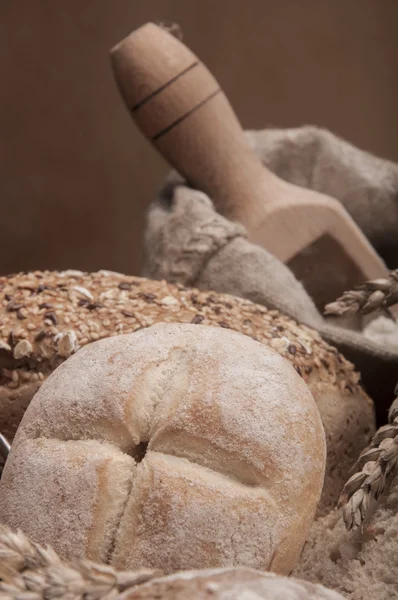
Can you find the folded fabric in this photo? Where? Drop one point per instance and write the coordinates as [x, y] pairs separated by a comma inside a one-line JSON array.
[[188, 242]]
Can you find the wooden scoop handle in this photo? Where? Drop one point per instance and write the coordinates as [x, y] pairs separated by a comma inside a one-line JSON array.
[[180, 107]]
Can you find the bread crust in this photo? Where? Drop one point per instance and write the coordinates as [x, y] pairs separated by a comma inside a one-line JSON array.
[[229, 584], [234, 465], [54, 314]]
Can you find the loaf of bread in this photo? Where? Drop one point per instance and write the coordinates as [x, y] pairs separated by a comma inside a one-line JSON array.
[[46, 316], [179, 446], [229, 584]]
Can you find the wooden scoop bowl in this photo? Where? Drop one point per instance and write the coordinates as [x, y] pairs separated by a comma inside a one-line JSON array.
[[180, 108]]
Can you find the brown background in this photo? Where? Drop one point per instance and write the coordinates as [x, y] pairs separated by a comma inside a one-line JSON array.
[[75, 174]]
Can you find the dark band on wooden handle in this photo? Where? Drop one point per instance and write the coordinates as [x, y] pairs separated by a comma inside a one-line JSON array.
[[184, 116], [163, 87], [162, 109]]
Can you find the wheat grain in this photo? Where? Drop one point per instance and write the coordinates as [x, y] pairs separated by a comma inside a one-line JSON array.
[[375, 468], [30, 572], [378, 294]]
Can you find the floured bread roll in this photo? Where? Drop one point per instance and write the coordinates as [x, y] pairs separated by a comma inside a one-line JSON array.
[[177, 447], [46, 316], [229, 584]]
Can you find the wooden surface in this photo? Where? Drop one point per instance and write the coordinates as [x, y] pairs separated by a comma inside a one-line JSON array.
[[76, 175]]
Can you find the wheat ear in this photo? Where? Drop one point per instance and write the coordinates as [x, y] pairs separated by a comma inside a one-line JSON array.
[[375, 468], [378, 463], [31, 572], [378, 294]]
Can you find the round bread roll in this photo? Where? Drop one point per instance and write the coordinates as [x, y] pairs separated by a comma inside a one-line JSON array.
[[176, 447], [46, 316], [229, 584]]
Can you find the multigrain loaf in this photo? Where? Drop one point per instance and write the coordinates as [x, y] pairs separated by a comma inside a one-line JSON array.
[[46, 316], [229, 584], [179, 446]]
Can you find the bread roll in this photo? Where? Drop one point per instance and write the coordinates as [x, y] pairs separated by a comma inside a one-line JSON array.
[[229, 584], [46, 316], [179, 446]]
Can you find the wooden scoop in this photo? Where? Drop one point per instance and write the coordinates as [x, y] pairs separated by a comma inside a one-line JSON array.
[[179, 106]]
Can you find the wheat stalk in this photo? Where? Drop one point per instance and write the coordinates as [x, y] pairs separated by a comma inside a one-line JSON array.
[[378, 463], [30, 572], [378, 294], [376, 466]]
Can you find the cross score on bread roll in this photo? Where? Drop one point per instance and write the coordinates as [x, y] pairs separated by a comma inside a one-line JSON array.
[[179, 446], [46, 316]]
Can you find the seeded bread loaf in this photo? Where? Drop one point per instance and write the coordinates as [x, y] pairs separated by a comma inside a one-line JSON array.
[[46, 316], [229, 584], [179, 446]]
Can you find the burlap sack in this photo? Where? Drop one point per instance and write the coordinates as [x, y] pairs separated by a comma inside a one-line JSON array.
[[187, 242]]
